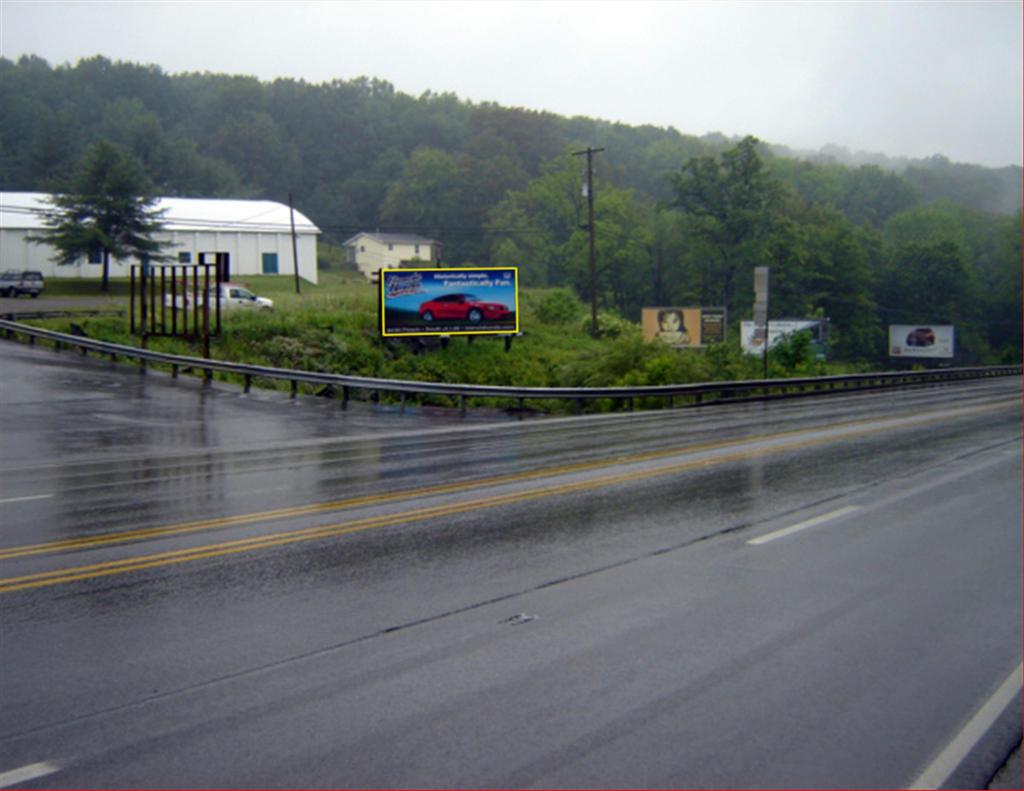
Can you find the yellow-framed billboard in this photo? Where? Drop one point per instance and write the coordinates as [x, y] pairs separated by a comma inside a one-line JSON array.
[[449, 301]]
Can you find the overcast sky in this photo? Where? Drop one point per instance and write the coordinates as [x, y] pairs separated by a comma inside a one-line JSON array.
[[900, 78]]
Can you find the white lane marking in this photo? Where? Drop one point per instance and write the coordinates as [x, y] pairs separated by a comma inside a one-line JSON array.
[[788, 531], [26, 773], [941, 768], [26, 498]]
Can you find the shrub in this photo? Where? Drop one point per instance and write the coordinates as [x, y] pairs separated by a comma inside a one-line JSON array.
[[611, 325], [559, 307]]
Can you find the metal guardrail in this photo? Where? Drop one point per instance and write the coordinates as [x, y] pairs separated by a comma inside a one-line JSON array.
[[345, 385], [58, 314]]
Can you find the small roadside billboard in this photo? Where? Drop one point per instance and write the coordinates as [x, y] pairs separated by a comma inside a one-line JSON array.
[[450, 301], [683, 327], [752, 342], [921, 340]]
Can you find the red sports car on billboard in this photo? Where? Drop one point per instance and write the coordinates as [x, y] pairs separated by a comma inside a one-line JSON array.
[[922, 336], [463, 306]]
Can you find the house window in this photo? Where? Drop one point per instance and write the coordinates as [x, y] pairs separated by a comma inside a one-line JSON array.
[[184, 258], [96, 256], [417, 249], [270, 263], [362, 248], [391, 247]]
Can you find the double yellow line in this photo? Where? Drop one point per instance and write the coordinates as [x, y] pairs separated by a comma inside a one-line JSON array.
[[59, 576], [90, 542], [46, 578]]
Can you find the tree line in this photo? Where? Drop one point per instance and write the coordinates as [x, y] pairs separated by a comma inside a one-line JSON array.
[[680, 219]]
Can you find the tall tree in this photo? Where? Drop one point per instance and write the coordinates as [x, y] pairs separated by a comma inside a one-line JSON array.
[[729, 204], [539, 227], [106, 209], [425, 197]]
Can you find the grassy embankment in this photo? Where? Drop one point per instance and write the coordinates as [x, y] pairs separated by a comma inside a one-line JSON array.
[[333, 327]]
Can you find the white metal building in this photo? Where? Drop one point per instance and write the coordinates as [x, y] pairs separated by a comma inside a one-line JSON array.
[[256, 235]]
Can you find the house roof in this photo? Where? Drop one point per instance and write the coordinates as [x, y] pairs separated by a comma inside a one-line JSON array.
[[393, 238], [24, 211]]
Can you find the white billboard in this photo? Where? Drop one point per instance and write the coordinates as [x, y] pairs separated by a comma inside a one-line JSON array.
[[921, 340], [752, 342]]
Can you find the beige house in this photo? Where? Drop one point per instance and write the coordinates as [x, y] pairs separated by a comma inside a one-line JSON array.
[[371, 252]]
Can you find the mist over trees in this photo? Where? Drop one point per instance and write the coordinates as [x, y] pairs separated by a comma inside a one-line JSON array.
[[864, 240]]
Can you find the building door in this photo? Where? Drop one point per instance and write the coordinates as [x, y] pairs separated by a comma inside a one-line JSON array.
[[270, 263]]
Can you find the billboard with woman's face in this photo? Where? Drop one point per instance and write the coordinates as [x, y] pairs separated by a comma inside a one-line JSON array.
[[477, 301], [674, 326]]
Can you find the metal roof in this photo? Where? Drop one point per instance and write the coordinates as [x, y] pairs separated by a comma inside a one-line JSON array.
[[24, 211], [393, 238]]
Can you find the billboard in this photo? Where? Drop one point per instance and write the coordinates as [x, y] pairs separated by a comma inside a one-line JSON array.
[[752, 341], [683, 327], [712, 326], [921, 340], [464, 301]]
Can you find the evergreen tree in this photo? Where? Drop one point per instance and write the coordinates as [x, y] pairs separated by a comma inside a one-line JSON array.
[[106, 209]]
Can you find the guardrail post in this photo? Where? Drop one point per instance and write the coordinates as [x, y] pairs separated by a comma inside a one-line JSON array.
[[248, 383], [522, 407], [401, 403], [629, 404], [462, 402], [174, 372], [579, 405], [344, 396], [295, 388]]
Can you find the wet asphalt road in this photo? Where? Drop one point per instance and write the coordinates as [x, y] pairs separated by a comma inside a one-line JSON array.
[[204, 588]]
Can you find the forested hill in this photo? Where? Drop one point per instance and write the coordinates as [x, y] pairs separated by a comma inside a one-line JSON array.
[[358, 154]]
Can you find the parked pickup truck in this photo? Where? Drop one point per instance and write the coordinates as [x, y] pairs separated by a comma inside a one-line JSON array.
[[232, 297], [18, 281]]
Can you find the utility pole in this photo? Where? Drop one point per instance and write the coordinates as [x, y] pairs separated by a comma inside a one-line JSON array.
[[589, 187], [295, 250]]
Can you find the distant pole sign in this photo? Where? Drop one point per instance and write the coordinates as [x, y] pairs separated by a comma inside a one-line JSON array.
[[761, 312], [761, 300]]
